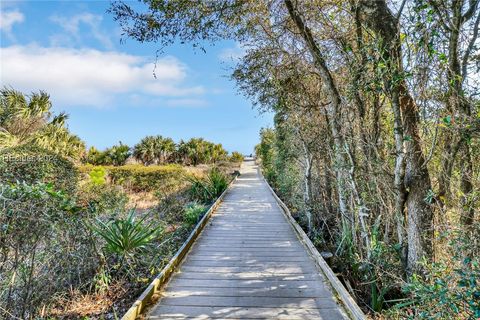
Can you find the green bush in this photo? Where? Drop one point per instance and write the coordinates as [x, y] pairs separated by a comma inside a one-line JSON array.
[[193, 213], [127, 236], [97, 198], [449, 289], [46, 246], [236, 157], [218, 182], [141, 178], [206, 190], [97, 176], [32, 164], [116, 155]]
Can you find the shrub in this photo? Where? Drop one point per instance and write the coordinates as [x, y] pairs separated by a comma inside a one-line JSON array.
[[44, 248], [116, 155], [94, 156], [32, 164], [97, 176], [193, 213], [218, 182], [137, 178], [127, 236], [209, 188], [141, 178], [236, 157], [98, 198], [449, 289]]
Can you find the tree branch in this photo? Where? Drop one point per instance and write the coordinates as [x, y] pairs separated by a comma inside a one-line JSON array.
[[440, 15], [399, 13], [469, 49], [470, 11]]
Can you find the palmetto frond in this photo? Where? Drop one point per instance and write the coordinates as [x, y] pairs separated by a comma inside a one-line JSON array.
[[127, 236], [28, 119]]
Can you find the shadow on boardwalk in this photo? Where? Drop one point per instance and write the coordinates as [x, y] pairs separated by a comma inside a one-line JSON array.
[[248, 264]]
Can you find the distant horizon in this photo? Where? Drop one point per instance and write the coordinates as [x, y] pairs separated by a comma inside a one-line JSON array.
[[72, 51]]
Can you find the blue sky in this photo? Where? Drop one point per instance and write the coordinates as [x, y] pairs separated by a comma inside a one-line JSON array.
[[72, 50]]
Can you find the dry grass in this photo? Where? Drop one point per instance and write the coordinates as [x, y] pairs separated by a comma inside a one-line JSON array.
[[142, 200], [94, 305]]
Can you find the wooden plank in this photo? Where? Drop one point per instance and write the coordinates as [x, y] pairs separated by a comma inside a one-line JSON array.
[[246, 254], [243, 275], [238, 246], [250, 302], [251, 269], [246, 276], [259, 231], [248, 263], [258, 241], [178, 282], [189, 312], [259, 238], [231, 235], [244, 259], [258, 251], [188, 291]]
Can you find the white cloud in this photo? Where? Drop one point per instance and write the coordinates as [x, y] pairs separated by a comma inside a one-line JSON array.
[[233, 53], [71, 26], [90, 77], [8, 19]]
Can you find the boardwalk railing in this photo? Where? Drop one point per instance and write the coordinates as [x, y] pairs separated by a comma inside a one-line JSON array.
[[345, 298], [156, 285]]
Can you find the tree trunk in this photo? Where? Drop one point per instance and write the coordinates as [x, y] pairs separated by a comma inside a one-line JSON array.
[[307, 178], [466, 185], [333, 110], [462, 107], [416, 181]]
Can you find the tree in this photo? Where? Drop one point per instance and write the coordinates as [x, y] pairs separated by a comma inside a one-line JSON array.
[[94, 156], [374, 108], [29, 120], [168, 148], [456, 49], [146, 150], [236, 157], [414, 175], [117, 155]]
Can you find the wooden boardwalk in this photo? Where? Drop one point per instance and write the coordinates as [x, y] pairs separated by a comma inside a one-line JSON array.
[[248, 264]]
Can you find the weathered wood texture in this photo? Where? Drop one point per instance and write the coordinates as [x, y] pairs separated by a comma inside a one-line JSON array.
[[248, 264], [156, 285]]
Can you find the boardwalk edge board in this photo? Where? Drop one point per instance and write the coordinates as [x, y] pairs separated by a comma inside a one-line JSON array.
[[346, 299], [155, 286]]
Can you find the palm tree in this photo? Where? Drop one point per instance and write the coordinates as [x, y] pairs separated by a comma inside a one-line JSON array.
[[94, 156], [29, 119], [181, 154], [145, 150], [117, 155], [158, 148], [218, 153], [168, 148], [195, 149]]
